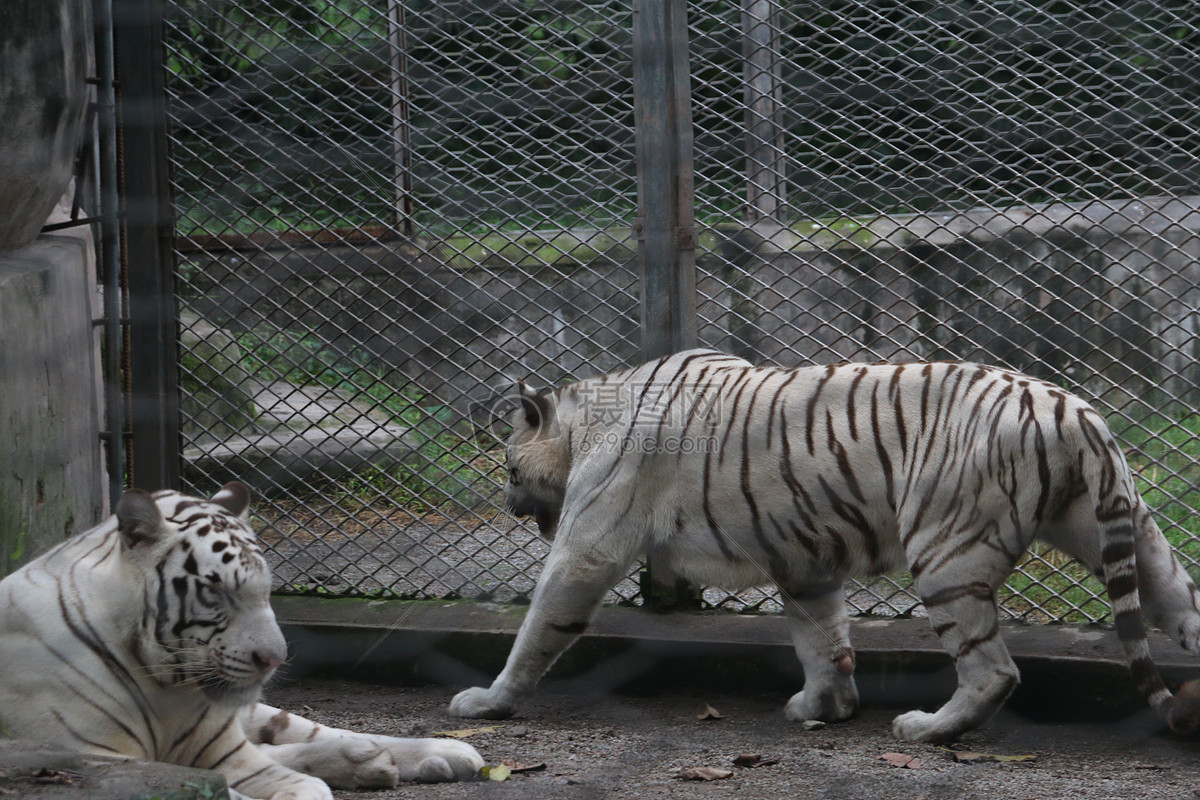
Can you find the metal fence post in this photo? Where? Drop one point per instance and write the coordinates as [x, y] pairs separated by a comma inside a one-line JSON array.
[[666, 191], [765, 162], [401, 138], [149, 233], [666, 225]]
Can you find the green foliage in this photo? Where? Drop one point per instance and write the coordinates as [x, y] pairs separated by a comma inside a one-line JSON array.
[[294, 115], [320, 113], [1164, 452]]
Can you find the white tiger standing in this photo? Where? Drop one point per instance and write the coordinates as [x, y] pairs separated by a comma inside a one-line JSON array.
[[733, 475], [151, 636]]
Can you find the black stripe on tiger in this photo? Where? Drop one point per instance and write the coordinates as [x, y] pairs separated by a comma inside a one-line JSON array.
[[881, 451], [810, 412], [714, 527], [79, 736], [85, 633], [215, 763]]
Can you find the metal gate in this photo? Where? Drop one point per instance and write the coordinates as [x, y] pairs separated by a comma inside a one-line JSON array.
[[386, 212]]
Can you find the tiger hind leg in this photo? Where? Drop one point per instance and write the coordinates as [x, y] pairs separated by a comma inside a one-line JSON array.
[[965, 617], [820, 633]]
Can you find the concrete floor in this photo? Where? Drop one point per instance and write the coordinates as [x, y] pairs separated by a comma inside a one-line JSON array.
[[635, 746], [617, 716]]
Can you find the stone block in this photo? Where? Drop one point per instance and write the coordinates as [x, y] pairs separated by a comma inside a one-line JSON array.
[[51, 471]]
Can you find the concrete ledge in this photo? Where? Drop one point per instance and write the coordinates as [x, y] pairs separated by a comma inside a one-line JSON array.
[[35, 771], [1067, 672]]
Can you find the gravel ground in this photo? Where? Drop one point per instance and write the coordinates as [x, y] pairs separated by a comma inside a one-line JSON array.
[[623, 746]]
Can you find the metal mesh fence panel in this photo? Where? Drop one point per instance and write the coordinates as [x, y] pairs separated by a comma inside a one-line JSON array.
[[1005, 182], [389, 211]]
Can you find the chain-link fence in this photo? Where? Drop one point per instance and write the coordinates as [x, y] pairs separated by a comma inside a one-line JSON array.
[[388, 211]]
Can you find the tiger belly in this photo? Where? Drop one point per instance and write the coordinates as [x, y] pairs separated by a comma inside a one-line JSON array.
[[780, 551]]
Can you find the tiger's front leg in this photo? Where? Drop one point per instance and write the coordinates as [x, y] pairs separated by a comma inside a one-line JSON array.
[[820, 631], [578, 571], [251, 773], [351, 760]]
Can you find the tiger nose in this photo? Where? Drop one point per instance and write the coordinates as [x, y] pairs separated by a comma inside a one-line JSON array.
[[266, 661]]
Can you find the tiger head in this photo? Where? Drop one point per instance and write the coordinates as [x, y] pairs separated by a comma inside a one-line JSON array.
[[207, 618], [538, 458]]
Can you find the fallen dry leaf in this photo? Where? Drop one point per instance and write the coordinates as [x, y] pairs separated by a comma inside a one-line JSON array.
[[58, 776], [752, 760], [704, 774], [516, 766], [709, 713], [465, 732], [496, 773], [901, 760]]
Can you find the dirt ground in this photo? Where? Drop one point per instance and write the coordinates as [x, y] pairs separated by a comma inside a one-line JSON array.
[[622, 746]]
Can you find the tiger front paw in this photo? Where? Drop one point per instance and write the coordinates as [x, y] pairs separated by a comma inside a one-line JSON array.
[[920, 726], [480, 703], [833, 704], [301, 787], [435, 760], [368, 765]]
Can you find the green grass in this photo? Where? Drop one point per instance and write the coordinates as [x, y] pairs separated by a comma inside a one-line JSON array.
[[1164, 453]]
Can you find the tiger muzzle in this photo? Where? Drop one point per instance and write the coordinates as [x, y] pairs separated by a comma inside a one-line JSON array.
[[545, 515]]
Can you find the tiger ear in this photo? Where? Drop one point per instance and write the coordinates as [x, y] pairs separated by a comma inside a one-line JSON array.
[[531, 404], [138, 518], [234, 497]]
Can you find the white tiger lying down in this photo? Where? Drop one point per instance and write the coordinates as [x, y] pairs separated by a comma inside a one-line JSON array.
[[736, 476], [151, 636]]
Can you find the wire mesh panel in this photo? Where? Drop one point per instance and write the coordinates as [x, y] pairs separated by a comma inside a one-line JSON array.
[[1007, 182], [388, 212]]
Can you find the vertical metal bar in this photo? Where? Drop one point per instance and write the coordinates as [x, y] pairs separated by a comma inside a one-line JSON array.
[[765, 164], [666, 205], [666, 190], [109, 254], [401, 141], [149, 233]]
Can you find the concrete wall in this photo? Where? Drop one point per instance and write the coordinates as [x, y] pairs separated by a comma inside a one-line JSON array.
[[51, 477], [51, 472], [1106, 294], [44, 57]]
